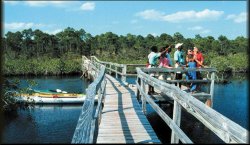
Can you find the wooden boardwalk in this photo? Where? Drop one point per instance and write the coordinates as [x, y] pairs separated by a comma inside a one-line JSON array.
[[122, 118]]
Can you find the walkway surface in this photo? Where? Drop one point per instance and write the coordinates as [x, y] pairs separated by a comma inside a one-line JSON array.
[[122, 118]]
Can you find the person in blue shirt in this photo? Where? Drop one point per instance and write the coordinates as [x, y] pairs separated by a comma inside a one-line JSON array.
[[168, 55], [179, 61], [191, 75]]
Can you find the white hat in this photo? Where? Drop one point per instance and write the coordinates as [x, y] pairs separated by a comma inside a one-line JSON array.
[[178, 45], [58, 90]]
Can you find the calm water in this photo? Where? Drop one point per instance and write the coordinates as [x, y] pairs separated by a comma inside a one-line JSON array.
[[56, 123], [42, 124]]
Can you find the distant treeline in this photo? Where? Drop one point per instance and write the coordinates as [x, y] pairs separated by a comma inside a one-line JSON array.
[[39, 53]]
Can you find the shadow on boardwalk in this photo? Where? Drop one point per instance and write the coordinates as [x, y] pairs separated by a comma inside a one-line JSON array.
[[123, 120]]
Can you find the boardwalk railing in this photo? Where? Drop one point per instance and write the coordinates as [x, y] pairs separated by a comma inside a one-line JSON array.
[[224, 128], [208, 77], [118, 69], [89, 119]]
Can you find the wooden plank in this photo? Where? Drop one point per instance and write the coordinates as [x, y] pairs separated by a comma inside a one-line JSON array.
[[127, 141], [124, 130], [123, 122]]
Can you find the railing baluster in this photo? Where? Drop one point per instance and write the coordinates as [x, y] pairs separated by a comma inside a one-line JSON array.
[[177, 120], [143, 97], [212, 88], [138, 92], [116, 75], [124, 72]]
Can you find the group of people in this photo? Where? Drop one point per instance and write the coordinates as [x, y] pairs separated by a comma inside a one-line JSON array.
[[162, 59]]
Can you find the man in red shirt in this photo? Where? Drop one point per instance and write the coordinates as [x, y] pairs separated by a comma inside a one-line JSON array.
[[198, 57]]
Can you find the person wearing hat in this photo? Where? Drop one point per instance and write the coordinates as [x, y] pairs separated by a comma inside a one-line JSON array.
[[179, 61]]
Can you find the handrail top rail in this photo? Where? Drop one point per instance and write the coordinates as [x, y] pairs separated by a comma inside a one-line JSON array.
[[105, 62], [116, 64], [181, 69], [84, 130]]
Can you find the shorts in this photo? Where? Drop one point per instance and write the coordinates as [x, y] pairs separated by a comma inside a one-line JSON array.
[[178, 76]]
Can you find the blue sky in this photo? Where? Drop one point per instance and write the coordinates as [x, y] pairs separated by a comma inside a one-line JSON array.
[[207, 18]]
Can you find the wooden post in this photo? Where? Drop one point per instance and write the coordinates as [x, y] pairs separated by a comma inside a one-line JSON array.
[[144, 110], [105, 67], [124, 72], [212, 88], [177, 121], [138, 92], [110, 68], [116, 75]]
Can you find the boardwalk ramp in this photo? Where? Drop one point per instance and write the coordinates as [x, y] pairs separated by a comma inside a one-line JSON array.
[[122, 118]]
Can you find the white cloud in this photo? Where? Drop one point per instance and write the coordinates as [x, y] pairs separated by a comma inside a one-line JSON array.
[[47, 3], [11, 2], [150, 14], [53, 31], [199, 29], [195, 28], [22, 25], [68, 5], [88, 6], [240, 18], [181, 16]]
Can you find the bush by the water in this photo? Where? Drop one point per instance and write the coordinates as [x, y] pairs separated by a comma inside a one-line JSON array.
[[42, 66]]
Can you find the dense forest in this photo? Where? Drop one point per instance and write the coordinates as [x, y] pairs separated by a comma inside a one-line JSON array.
[[33, 52]]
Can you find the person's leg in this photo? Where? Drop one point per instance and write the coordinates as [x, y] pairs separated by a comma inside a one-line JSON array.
[[180, 78], [194, 77], [188, 78], [193, 87], [177, 78], [198, 76]]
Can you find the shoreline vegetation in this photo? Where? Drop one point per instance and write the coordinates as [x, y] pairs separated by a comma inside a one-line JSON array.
[[38, 53]]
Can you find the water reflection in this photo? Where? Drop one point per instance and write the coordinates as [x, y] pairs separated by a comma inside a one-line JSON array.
[[42, 124]]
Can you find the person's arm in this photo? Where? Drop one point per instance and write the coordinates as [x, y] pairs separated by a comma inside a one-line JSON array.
[[202, 59], [164, 51], [200, 62]]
